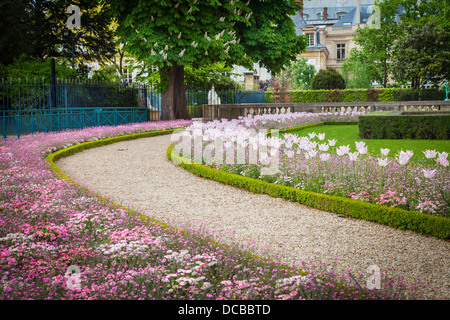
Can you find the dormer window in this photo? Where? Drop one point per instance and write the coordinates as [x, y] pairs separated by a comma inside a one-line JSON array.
[[311, 39], [305, 17], [341, 14], [310, 33]]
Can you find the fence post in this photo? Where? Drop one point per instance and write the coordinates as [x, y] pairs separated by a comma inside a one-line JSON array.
[[53, 84]]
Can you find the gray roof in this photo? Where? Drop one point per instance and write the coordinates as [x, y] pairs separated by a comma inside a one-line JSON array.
[[347, 13]]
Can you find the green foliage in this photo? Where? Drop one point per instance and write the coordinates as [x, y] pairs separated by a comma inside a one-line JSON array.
[[431, 127], [300, 74], [107, 73], [423, 54], [328, 79], [36, 28], [359, 95], [357, 72], [375, 54], [217, 75], [414, 50], [24, 67], [187, 33]]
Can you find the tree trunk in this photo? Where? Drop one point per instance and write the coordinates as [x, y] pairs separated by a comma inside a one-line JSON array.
[[173, 99]]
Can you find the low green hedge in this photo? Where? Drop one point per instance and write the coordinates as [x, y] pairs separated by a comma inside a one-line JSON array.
[[435, 226], [404, 126], [359, 95]]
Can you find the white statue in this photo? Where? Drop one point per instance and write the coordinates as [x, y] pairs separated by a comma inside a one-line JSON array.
[[213, 98]]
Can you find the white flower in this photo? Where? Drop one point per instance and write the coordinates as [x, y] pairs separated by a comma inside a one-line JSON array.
[[360, 144], [353, 156], [312, 153], [443, 155], [383, 162], [331, 142], [312, 135], [443, 162], [429, 173], [384, 152], [342, 150], [321, 136], [362, 150], [430, 154], [324, 156], [323, 147]]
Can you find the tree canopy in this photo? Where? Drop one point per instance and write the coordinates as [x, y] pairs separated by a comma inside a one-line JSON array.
[[36, 28], [173, 34], [414, 48]]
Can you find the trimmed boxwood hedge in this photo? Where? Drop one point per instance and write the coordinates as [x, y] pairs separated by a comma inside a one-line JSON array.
[[426, 224], [404, 126], [359, 95]]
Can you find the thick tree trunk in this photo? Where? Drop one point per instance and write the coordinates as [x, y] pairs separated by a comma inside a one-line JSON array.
[[173, 99]]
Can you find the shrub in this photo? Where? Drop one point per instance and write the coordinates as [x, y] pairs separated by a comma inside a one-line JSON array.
[[406, 126], [328, 79]]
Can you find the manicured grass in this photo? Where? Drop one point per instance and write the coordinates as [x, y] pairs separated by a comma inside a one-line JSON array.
[[349, 134]]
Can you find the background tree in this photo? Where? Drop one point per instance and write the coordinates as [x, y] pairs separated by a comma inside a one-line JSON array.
[[357, 72], [423, 54], [376, 44], [24, 67], [35, 28], [300, 73], [15, 26], [328, 79], [174, 34]]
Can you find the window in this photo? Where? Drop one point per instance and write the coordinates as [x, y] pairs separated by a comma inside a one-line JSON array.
[[311, 41], [305, 17], [340, 14], [127, 76], [340, 52]]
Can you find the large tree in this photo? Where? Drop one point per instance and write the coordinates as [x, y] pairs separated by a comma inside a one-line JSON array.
[[174, 34], [376, 41], [423, 51], [36, 28]]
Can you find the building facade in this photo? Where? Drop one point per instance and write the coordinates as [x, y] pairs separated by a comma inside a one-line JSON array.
[[330, 27]]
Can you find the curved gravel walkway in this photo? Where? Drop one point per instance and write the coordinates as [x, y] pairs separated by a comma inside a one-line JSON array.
[[137, 174]]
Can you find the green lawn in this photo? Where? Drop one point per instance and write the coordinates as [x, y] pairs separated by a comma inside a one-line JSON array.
[[348, 134]]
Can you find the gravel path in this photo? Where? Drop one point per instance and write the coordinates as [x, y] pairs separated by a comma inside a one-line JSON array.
[[137, 174]]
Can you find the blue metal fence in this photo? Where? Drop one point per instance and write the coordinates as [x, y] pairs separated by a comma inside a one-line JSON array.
[[28, 107], [34, 106]]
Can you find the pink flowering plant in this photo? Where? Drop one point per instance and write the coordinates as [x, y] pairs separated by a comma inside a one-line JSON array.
[[59, 241]]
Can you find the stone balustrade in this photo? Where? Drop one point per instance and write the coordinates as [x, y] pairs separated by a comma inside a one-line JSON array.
[[234, 111]]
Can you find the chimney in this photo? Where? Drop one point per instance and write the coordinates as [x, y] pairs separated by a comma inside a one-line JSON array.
[[325, 13], [300, 2], [358, 12]]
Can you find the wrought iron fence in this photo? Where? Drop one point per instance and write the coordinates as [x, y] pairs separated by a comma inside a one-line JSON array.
[[38, 106], [32, 106]]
